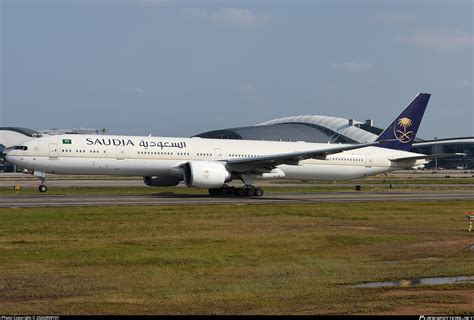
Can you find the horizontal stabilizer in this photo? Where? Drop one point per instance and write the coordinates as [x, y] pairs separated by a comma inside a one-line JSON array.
[[428, 156]]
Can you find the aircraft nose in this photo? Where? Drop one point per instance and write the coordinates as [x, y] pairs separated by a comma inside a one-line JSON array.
[[7, 154]]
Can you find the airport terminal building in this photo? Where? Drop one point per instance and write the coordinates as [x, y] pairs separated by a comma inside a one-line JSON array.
[[311, 128], [326, 129]]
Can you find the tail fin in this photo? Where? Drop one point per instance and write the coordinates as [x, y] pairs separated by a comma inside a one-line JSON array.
[[401, 133]]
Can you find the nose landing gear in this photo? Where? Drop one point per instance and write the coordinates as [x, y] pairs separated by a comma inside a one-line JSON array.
[[42, 176], [43, 188]]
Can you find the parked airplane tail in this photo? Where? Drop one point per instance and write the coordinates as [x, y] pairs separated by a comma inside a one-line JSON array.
[[401, 133]]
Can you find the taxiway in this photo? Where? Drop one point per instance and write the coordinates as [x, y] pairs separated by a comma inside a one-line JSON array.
[[45, 200]]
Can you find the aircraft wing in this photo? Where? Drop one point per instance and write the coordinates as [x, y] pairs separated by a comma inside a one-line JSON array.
[[428, 156], [290, 158]]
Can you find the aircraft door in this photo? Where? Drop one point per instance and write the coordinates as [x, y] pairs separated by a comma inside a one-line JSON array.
[[218, 154], [368, 161], [120, 153], [53, 151]]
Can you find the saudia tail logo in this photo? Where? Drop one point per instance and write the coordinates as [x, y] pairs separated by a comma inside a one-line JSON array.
[[401, 130]]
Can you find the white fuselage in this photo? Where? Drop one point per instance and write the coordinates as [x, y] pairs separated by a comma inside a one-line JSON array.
[[156, 156]]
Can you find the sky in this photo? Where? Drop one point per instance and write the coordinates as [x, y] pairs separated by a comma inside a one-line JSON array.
[[178, 68]]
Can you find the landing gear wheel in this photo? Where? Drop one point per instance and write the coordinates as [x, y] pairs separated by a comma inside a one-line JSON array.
[[216, 191], [228, 191], [250, 192], [236, 192], [247, 191], [242, 192], [43, 188]]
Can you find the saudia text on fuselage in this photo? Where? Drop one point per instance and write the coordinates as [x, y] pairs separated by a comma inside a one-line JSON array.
[[109, 142], [129, 142]]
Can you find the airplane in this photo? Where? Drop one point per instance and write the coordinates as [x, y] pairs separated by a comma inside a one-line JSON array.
[[213, 163]]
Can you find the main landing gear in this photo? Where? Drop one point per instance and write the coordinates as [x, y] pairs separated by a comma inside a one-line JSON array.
[[247, 191]]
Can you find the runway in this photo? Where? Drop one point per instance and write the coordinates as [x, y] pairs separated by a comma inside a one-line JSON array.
[[45, 200], [139, 183]]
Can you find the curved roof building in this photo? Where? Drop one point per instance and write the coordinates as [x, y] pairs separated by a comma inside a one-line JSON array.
[[335, 128], [308, 128], [324, 129]]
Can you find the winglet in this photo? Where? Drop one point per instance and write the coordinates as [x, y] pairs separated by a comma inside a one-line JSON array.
[[401, 133]]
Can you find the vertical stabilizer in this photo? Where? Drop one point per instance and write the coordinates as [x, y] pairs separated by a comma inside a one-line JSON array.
[[401, 133]]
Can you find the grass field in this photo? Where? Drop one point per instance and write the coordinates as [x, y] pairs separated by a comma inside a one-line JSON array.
[[239, 259]]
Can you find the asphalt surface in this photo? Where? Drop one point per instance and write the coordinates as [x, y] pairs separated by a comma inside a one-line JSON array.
[[129, 183], [45, 200]]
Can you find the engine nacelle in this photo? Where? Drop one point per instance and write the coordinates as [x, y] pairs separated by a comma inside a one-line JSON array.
[[163, 181], [205, 174]]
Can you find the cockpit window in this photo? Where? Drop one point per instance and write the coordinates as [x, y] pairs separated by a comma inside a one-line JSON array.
[[23, 148]]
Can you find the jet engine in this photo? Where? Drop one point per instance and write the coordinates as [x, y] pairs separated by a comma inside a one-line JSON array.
[[162, 181], [205, 174]]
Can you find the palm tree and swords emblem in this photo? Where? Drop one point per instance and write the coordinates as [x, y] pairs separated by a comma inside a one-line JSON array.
[[403, 135]]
